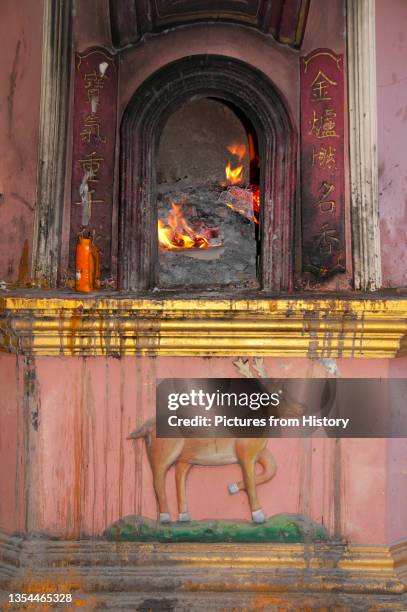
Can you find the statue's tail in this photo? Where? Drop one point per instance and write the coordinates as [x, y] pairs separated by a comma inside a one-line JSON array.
[[144, 431]]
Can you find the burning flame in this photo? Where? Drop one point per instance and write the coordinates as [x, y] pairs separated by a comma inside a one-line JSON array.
[[177, 234], [244, 201], [256, 203], [234, 176], [237, 149]]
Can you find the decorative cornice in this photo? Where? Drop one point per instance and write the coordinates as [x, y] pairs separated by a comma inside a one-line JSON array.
[[118, 326], [229, 570]]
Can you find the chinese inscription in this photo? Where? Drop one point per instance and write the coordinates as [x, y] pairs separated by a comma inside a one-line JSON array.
[[94, 130], [322, 163]]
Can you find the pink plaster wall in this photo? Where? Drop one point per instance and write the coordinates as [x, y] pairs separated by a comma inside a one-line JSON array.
[[12, 446], [391, 51], [83, 473], [397, 475], [396, 490], [20, 75]]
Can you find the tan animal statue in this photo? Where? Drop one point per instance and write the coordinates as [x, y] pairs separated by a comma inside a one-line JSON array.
[[186, 452]]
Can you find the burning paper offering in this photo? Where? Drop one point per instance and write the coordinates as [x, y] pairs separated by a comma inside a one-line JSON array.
[[246, 202], [176, 232], [243, 200]]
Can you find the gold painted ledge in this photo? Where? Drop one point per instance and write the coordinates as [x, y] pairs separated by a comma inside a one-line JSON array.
[[314, 327], [234, 569]]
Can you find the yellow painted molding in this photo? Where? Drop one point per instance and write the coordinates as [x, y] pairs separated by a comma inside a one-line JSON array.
[[68, 324], [322, 555], [335, 567]]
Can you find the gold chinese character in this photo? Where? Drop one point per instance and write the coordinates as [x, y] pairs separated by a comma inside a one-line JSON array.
[[326, 240], [324, 157], [325, 191], [91, 165], [320, 87], [92, 128], [94, 83], [328, 124], [323, 126]]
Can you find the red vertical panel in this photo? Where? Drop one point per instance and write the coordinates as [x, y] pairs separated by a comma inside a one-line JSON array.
[[322, 163], [94, 132]]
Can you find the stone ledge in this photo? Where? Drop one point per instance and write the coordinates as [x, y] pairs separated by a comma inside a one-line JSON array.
[[224, 573], [117, 326]]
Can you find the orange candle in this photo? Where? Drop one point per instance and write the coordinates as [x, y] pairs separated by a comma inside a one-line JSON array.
[[87, 264]]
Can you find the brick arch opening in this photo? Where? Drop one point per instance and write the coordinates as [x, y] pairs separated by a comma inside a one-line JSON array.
[[254, 94]]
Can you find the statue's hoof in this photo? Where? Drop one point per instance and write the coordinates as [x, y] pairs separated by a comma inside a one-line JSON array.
[[258, 516], [165, 517], [233, 488], [183, 517]]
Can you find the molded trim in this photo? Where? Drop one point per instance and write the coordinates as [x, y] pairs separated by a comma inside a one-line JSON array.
[[117, 326]]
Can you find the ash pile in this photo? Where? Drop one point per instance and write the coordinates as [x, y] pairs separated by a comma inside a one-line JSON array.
[[225, 218]]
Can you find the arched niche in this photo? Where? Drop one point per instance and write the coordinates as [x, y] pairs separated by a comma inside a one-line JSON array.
[[153, 102]]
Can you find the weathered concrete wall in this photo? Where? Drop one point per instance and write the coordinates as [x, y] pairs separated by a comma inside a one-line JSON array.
[[194, 142], [391, 46], [20, 82], [82, 474]]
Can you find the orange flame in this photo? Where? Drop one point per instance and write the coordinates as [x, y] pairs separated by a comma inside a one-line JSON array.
[[237, 149], [234, 176], [256, 203], [177, 234]]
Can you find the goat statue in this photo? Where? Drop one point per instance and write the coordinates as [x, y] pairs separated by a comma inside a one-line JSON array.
[[186, 452]]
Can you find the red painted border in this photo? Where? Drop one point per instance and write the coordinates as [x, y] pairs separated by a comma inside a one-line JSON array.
[[322, 163], [94, 135]]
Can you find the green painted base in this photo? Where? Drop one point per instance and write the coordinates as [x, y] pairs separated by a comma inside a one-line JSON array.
[[288, 528]]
